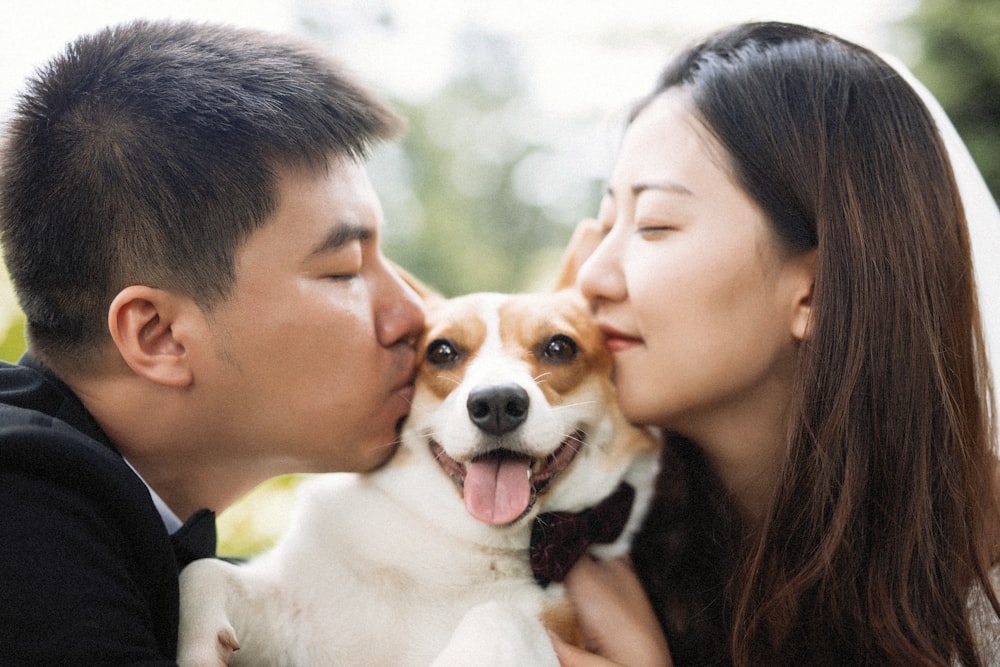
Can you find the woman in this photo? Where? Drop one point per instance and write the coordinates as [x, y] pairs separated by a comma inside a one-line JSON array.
[[783, 272]]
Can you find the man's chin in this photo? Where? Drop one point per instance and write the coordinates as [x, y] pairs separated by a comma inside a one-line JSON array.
[[382, 454]]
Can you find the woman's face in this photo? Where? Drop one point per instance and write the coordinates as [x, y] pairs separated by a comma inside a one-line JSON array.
[[699, 303]]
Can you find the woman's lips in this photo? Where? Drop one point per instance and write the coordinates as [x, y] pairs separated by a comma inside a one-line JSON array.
[[618, 341]]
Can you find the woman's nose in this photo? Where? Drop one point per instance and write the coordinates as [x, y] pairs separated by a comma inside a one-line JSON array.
[[600, 276]]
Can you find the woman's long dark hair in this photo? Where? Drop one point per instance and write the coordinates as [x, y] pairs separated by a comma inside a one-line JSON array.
[[886, 514]]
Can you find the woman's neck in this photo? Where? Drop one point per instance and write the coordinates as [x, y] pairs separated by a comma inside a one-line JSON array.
[[750, 481], [746, 447]]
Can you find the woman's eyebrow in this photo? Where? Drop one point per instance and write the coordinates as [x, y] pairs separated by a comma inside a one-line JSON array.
[[661, 186]]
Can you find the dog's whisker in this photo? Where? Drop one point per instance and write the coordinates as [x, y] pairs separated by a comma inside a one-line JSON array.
[[575, 405], [542, 377], [573, 442], [455, 381], [392, 444], [428, 434]]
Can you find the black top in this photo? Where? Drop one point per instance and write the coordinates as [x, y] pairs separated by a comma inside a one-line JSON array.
[[87, 572]]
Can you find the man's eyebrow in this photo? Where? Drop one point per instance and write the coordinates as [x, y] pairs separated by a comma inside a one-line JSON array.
[[342, 234]]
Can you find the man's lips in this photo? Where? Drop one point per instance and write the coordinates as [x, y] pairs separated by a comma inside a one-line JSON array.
[[404, 387], [618, 341], [406, 392]]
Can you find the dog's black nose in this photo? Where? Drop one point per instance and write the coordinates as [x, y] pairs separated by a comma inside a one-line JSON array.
[[498, 409]]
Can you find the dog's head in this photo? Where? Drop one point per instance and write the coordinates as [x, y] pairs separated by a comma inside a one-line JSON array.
[[515, 412]]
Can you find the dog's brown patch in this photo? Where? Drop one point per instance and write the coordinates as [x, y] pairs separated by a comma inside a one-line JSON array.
[[561, 620], [631, 440], [528, 321], [458, 322]]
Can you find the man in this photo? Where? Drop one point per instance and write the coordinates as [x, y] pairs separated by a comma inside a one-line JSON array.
[[195, 244]]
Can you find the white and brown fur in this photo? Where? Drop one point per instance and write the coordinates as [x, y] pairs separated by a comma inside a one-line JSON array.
[[389, 568]]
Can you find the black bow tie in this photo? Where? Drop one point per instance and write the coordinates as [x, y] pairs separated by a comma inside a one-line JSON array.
[[559, 539], [195, 539]]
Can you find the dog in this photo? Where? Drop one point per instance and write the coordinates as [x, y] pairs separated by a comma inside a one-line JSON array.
[[513, 436]]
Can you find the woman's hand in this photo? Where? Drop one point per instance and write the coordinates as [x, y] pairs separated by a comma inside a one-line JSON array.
[[586, 237], [616, 617], [571, 656]]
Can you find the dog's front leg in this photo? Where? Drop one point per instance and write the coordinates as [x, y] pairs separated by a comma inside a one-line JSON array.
[[206, 637], [493, 634]]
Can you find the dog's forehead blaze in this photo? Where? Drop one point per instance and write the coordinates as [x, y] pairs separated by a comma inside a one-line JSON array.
[[527, 322], [459, 321]]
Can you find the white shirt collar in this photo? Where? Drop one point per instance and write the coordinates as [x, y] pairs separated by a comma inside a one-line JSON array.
[[170, 520]]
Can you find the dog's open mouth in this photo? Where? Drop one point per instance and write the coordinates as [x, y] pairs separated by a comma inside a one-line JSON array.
[[500, 486]]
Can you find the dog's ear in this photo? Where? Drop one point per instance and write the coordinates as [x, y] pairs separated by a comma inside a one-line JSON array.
[[586, 237], [425, 292]]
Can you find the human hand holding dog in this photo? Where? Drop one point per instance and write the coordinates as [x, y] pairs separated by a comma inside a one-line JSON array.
[[615, 616]]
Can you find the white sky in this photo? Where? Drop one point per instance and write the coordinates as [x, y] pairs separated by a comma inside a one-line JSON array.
[[559, 34]]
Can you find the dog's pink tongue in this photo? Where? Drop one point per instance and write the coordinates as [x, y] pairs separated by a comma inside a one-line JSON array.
[[497, 489]]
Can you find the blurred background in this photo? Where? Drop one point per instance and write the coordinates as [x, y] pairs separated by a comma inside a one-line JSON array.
[[515, 109]]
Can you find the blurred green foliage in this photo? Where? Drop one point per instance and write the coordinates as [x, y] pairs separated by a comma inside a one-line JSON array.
[[453, 190], [259, 518], [13, 344], [960, 63]]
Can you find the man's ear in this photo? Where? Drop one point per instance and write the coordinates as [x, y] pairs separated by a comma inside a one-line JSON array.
[[143, 324], [802, 312]]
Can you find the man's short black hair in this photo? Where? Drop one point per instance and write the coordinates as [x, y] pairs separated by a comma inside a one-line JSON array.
[[146, 153]]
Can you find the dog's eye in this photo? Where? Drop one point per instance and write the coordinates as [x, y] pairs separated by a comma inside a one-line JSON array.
[[560, 349], [442, 352]]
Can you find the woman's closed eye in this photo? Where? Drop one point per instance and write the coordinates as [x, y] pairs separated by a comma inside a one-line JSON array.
[[653, 227]]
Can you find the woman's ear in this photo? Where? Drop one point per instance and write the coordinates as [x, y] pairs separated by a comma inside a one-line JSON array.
[[802, 313], [143, 324]]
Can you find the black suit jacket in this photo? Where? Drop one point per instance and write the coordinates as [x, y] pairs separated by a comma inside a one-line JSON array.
[[87, 572]]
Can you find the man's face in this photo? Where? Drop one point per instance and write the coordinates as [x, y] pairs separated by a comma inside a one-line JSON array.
[[313, 348]]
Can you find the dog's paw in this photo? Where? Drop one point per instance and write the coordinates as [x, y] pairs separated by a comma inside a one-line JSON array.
[[200, 655], [493, 634], [206, 638]]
